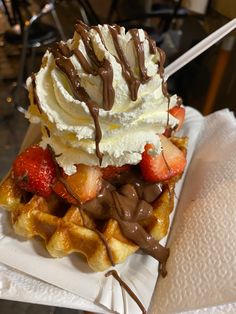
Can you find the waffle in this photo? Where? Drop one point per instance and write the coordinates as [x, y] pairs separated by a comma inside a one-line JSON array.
[[69, 229]]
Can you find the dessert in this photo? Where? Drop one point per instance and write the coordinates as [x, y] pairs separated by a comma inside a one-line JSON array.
[[101, 181]]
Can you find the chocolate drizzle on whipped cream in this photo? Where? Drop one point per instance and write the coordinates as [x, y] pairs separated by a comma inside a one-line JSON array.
[[151, 43], [63, 52], [131, 80], [140, 55], [67, 67], [153, 48], [102, 68], [35, 96], [164, 84]]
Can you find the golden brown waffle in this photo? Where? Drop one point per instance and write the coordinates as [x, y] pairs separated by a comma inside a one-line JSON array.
[[67, 230]]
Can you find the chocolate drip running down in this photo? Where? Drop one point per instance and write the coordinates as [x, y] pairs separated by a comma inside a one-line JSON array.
[[80, 206], [131, 81], [129, 204], [84, 63], [67, 67], [164, 84], [153, 48], [151, 43], [35, 96], [102, 68], [140, 55], [101, 236], [127, 288]]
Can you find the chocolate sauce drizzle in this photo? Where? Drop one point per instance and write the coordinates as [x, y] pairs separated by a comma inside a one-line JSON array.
[[153, 48], [69, 190], [152, 44], [35, 96], [127, 200], [164, 84], [62, 54], [104, 240], [140, 55], [132, 82], [67, 67], [47, 130], [84, 63], [102, 68], [101, 236], [127, 288]]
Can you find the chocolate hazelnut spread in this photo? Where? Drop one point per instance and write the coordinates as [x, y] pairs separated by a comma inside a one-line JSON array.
[[130, 205], [127, 288], [152, 44], [164, 83], [131, 81], [103, 68], [140, 55], [66, 66], [35, 96]]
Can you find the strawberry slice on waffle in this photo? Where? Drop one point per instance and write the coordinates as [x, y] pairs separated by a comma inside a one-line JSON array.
[[81, 186], [179, 113], [34, 171], [161, 167]]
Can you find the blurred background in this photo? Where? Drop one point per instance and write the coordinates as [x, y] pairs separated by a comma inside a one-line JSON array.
[[28, 27]]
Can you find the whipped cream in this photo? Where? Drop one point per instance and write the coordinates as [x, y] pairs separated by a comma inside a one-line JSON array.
[[129, 123]]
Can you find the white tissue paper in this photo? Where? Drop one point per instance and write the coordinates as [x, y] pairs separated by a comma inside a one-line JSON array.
[[202, 244], [202, 264]]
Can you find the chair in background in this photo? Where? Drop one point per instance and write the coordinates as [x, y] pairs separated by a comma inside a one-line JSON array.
[[164, 14], [34, 35], [87, 12]]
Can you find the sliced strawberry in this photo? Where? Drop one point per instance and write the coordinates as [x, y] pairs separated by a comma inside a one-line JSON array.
[[34, 170], [179, 113], [111, 172], [169, 163], [61, 189], [81, 186]]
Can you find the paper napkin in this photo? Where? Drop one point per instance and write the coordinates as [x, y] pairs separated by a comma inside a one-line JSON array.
[[202, 264]]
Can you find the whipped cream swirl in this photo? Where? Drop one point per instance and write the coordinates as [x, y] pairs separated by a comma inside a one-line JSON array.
[[100, 97]]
